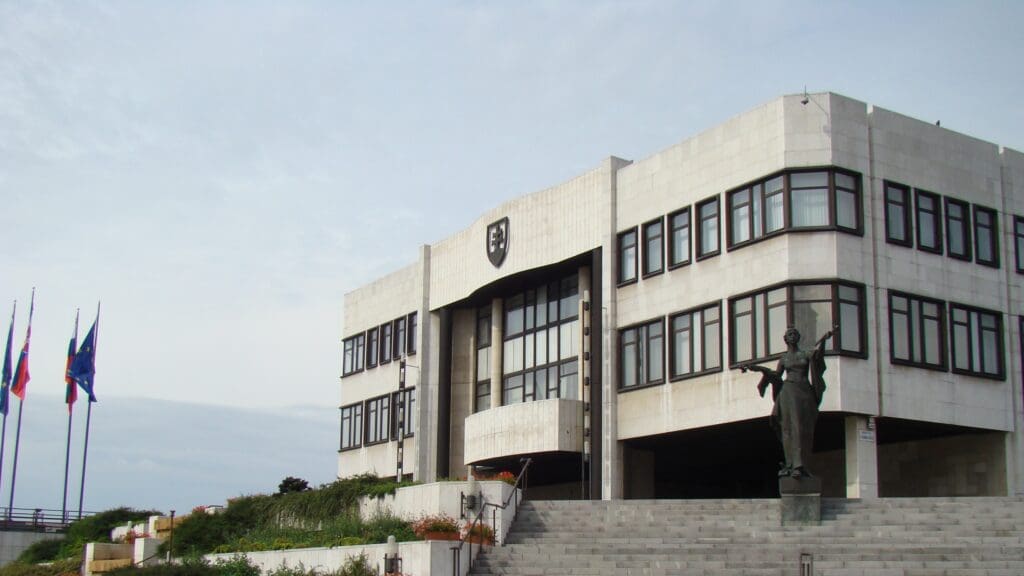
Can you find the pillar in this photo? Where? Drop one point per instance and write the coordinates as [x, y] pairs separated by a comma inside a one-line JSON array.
[[861, 457]]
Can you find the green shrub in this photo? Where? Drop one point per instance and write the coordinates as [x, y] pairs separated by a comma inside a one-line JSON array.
[[42, 551], [58, 568]]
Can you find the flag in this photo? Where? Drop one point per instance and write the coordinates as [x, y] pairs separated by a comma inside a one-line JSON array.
[[71, 391], [5, 382], [83, 367], [21, 375]]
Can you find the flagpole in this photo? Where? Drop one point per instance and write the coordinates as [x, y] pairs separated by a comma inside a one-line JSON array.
[[21, 406], [14, 467], [88, 418], [70, 387], [3, 427]]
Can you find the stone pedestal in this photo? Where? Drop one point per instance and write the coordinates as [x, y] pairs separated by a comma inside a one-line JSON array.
[[800, 502]]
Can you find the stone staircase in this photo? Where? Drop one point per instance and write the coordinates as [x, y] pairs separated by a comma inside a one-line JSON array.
[[882, 537]]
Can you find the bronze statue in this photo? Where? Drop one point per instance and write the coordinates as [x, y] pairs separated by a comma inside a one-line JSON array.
[[797, 397]]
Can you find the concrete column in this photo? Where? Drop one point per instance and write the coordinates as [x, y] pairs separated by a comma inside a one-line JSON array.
[[861, 457], [497, 349]]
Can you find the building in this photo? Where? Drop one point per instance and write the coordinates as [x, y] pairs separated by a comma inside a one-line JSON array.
[[597, 326]]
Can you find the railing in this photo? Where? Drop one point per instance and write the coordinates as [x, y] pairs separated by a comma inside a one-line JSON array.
[[457, 550], [37, 519]]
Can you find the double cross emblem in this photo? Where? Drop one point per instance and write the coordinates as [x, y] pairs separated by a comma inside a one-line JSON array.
[[497, 241]]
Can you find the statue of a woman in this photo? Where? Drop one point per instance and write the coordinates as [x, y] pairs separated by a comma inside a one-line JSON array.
[[797, 397]]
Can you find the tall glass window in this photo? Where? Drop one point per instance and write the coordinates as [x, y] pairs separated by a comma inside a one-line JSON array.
[[759, 320], [482, 378], [1018, 241], [679, 243], [351, 426], [541, 343], [929, 222], [917, 331], [977, 341], [654, 259], [897, 214], [817, 199], [642, 355], [627, 256], [707, 239], [986, 237], [696, 342], [958, 229]]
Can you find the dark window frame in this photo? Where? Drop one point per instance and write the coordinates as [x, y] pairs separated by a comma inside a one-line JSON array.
[[386, 336], [481, 343], [673, 259], [993, 235], [937, 220], [372, 347], [382, 431], [410, 413], [621, 248], [757, 203], [647, 238], [353, 355], [701, 251], [355, 429], [559, 310], [912, 345], [908, 225], [962, 224], [398, 339], [643, 355], [1018, 243], [411, 325], [835, 345], [974, 370], [693, 352]]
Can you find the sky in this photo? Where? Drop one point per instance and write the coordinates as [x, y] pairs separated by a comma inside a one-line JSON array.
[[217, 175]]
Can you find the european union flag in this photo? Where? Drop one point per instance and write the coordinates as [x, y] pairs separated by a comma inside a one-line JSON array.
[[83, 368]]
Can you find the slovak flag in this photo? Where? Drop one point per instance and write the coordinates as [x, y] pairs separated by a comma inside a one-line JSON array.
[[71, 392], [21, 375]]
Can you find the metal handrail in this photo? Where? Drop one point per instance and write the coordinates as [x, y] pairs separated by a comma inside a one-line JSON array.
[[457, 550], [37, 519]]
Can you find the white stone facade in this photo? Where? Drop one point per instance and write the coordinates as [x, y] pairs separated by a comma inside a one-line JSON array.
[[882, 418]]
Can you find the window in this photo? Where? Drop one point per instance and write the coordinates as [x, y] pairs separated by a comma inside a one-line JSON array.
[[816, 199], [707, 228], [897, 214], [399, 340], [385, 343], [808, 199], [696, 342], [958, 229], [351, 426], [929, 222], [917, 331], [654, 259], [378, 419], [642, 355], [986, 237], [541, 343], [977, 341], [411, 345], [1018, 240], [627, 256], [354, 354], [409, 397], [371, 347], [482, 399], [759, 320], [679, 243]]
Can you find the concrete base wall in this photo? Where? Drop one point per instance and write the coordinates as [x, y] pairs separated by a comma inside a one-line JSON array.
[[967, 465], [12, 544]]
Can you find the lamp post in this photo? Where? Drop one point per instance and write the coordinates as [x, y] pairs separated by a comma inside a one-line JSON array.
[[170, 540], [392, 562]]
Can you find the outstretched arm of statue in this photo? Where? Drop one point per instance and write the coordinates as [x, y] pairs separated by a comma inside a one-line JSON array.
[[820, 344]]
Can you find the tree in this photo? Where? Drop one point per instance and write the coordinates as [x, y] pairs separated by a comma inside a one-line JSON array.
[[292, 484]]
